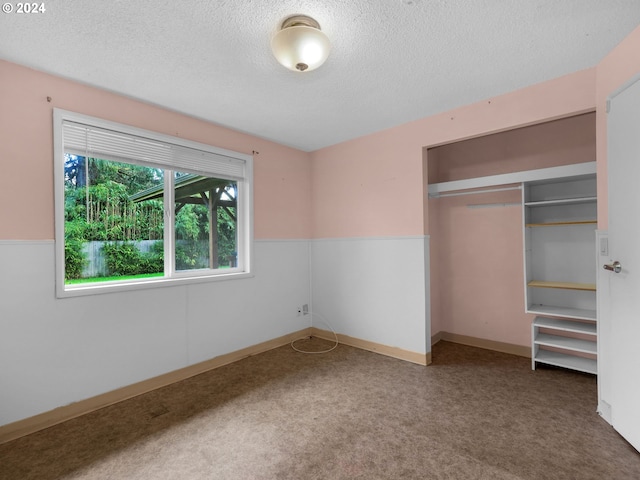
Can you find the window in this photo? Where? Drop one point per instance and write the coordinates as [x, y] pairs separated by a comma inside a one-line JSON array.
[[137, 209]]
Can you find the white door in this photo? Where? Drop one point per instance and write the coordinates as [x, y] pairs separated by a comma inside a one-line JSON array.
[[623, 130]]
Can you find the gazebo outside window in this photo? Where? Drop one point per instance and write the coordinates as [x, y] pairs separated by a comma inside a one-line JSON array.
[[219, 198]]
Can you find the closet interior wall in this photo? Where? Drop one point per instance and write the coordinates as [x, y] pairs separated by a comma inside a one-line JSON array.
[[477, 266]]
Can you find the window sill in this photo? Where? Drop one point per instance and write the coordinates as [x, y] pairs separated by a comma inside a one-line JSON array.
[[68, 291]]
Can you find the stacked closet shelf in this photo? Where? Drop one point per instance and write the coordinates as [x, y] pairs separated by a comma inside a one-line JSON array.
[[560, 269]]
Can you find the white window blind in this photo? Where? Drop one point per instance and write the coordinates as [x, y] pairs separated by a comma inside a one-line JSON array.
[[92, 141]]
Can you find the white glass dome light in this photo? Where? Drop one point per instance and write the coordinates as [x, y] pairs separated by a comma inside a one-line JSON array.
[[300, 45]]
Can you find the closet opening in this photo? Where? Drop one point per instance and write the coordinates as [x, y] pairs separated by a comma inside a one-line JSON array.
[[477, 229]]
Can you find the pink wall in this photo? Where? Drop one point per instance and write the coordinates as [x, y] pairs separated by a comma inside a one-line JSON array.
[[282, 181], [370, 186], [477, 267], [619, 66], [373, 185]]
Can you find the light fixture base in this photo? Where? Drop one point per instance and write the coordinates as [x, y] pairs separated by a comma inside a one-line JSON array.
[[300, 20]]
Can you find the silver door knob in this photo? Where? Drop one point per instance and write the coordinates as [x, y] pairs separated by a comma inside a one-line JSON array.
[[615, 267]]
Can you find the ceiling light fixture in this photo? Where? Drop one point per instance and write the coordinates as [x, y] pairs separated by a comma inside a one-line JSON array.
[[300, 45]]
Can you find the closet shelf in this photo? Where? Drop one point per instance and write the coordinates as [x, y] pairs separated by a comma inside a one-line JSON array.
[[566, 343], [591, 287], [540, 174], [561, 201], [555, 224], [567, 312], [557, 359], [586, 328]]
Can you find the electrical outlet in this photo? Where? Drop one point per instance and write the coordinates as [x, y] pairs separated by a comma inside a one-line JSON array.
[[305, 309]]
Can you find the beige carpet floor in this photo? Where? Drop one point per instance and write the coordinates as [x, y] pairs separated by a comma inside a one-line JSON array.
[[348, 414]]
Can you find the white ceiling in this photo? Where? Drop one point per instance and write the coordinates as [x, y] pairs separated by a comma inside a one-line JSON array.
[[392, 61]]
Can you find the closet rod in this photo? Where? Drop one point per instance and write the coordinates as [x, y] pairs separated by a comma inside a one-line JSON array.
[[473, 192]]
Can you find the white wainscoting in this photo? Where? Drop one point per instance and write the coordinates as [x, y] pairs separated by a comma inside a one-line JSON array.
[[374, 289], [57, 351]]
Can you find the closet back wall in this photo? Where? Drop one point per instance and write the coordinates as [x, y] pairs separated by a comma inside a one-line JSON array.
[[476, 242]]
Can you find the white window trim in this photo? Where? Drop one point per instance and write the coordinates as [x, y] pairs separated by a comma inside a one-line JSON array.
[[245, 206]]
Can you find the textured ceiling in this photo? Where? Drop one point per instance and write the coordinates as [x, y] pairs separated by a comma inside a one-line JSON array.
[[392, 61]]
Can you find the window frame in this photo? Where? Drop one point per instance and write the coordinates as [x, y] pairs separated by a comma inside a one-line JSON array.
[[171, 276]]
